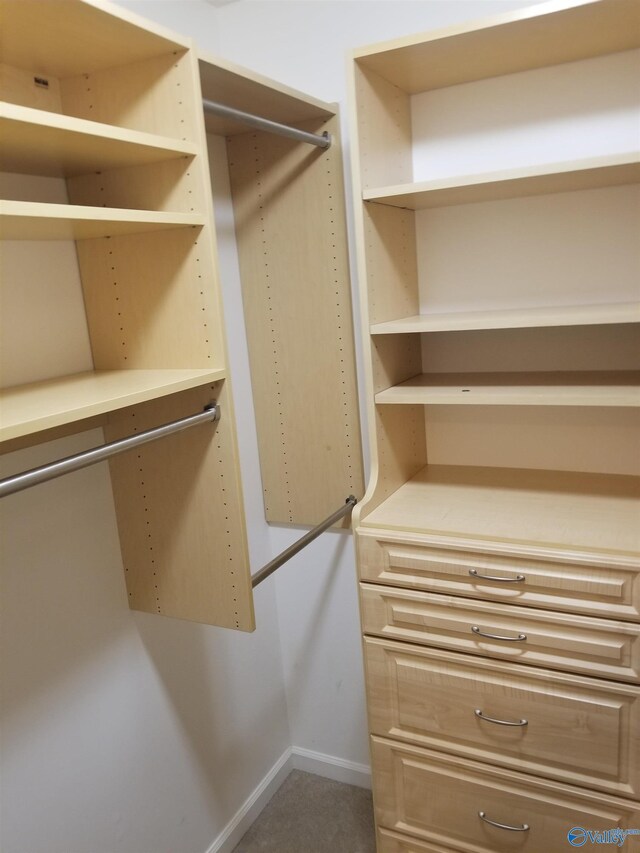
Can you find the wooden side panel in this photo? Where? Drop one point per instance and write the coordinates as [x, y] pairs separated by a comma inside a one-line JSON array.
[[291, 233], [180, 514], [30, 89], [391, 262], [384, 130]]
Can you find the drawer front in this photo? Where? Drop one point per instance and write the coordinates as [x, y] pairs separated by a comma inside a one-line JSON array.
[[608, 587], [574, 729], [438, 799], [599, 647], [392, 842]]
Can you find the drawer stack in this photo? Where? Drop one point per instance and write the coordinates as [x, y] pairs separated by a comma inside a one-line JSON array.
[[504, 707]]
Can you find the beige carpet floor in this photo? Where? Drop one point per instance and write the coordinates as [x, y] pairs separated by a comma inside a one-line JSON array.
[[310, 814]]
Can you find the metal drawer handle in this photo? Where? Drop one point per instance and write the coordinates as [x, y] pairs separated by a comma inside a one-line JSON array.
[[480, 633], [482, 716], [476, 574], [524, 827]]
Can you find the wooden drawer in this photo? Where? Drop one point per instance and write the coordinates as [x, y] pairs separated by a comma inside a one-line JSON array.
[[393, 842], [599, 647], [438, 798], [607, 586], [578, 730]]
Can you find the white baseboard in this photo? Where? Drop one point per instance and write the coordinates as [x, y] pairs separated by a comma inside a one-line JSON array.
[[251, 808], [295, 758], [331, 767]]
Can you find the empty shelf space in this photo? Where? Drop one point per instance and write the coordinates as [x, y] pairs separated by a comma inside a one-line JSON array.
[[78, 38], [553, 507], [29, 409], [520, 318], [22, 220], [606, 388], [44, 143], [592, 173]]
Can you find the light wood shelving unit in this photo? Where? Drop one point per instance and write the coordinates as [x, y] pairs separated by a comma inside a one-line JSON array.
[[491, 339], [106, 163]]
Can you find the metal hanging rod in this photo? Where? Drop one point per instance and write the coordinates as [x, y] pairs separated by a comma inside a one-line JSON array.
[[33, 477], [289, 552], [321, 140]]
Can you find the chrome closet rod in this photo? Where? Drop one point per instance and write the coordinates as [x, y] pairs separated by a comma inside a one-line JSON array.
[[301, 543], [321, 140], [51, 470]]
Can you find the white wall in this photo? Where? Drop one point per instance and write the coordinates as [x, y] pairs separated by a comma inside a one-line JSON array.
[[128, 733]]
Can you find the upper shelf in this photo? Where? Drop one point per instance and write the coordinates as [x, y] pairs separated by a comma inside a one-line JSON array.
[[26, 220], [602, 388], [521, 318], [229, 84], [43, 143], [30, 409], [68, 38], [534, 37], [591, 173]]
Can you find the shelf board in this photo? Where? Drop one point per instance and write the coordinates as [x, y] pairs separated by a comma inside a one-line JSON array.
[[606, 388], [534, 37], [558, 508], [44, 143], [22, 220], [520, 318], [590, 173], [29, 409], [230, 84], [65, 39]]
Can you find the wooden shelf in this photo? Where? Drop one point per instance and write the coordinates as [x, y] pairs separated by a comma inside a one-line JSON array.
[[29, 409], [44, 143], [615, 388], [521, 318], [534, 37], [591, 173], [229, 84], [543, 507], [66, 39], [21, 220]]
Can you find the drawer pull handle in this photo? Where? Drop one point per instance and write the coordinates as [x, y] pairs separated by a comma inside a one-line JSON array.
[[476, 574], [524, 827], [480, 633], [482, 716]]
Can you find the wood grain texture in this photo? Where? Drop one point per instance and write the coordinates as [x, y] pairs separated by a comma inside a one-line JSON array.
[[546, 34], [26, 410], [229, 84], [24, 88], [582, 731], [436, 798], [290, 228], [595, 647], [180, 515], [516, 318], [603, 584], [566, 510], [605, 171], [74, 37], [552, 388], [37, 142], [393, 842], [22, 220]]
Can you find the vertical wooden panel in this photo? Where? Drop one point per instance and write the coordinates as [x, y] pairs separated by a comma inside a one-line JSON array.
[[180, 514], [291, 233]]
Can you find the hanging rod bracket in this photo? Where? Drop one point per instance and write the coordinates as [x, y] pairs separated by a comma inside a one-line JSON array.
[[19, 482], [321, 140], [301, 543]]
